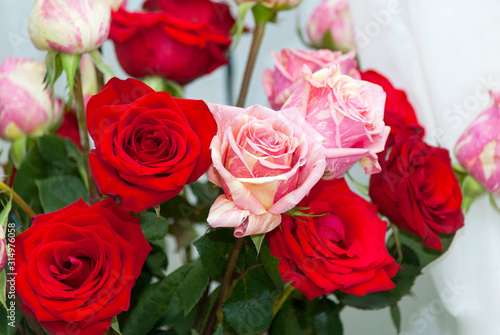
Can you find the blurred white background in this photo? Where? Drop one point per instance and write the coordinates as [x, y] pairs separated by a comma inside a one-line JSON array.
[[442, 53]]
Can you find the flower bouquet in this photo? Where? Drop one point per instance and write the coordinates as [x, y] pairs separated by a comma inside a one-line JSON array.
[[274, 233]]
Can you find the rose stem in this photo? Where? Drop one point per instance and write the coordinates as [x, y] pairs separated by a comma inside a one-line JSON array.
[[258, 34], [17, 199], [278, 303], [94, 196], [226, 282], [395, 232]]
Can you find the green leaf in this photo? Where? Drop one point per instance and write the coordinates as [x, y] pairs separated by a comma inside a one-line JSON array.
[[214, 249], [249, 310], [193, 286], [10, 320], [271, 264], [471, 190], [219, 330], [5, 212], [60, 191], [115, 326], [396, 317], [403, 280], [257, 241], [70, 64], [425, 254], [160, 84], [327, 320], [3, 282], [154, 228], [153, 303], [53, 69], [100, 64], [157, 260]]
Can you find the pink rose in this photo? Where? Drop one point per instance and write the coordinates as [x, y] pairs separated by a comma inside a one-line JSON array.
[[348, 113], [26, 107], [287, 75], [3, 248], [332, 16], [478, 149], [70, 26], [266, 162]]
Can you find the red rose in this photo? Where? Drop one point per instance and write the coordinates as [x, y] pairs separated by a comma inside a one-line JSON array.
[[399, 113], [418, 191], [76, 267], [344, 250], [185, 41], [148, 144]]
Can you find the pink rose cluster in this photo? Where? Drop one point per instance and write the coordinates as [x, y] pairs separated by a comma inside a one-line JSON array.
[[267, 161]]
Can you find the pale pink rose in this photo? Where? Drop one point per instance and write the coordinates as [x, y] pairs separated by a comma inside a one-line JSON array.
[[348, 113], [274, 4], [287, 76], [266, 162], [3, 248], [116, 4], [69, 26], [332, 16], [478, 149], [26, 107]]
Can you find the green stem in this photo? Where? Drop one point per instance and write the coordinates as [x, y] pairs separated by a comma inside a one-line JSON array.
[[279, 303], [94, 195], [399, 251], [258, 34], [17, 199], [225, 284]]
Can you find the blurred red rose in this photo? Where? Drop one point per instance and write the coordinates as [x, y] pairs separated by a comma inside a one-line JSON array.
[[399, 113], [417, 189], [76, 267], [148, 144], [178, 40], [344, 250]]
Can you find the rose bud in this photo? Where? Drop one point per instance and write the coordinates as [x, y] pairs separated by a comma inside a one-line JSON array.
[[177, 40], [348, 113], [26, 107], [332, 16], [341, 247], [399, 113], [266, 162], [3, 248], [274, 4], [478, 149], [69, 26], [417, 189], [287, 76]]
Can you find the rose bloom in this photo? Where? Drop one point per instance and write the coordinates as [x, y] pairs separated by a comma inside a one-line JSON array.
[[478, 149], [417, 189], [273, 4], [178, 40], [280, 83], [70, 26], [342, 250], [265, 161], [76, 267], [399, 113], [26, 107], [332, 16], [148, 144], [348, 113]]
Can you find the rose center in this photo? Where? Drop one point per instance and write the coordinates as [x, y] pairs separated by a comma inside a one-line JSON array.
[[73, 271], [330, 227]]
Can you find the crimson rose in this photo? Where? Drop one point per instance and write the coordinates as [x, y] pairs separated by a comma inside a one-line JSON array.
[[399, 113], [343, 250], [180, 40], [417, 189], [76, 267], [148, 144]]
